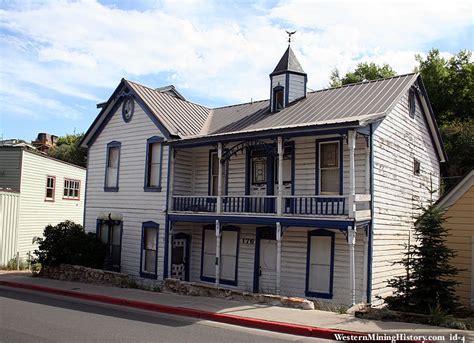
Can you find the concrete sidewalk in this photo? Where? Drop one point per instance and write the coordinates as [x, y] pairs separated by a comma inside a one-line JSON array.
[[297, 317]]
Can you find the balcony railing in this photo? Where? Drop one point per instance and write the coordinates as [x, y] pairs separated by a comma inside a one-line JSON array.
[[249, 204], [314, 205], [189, 203]]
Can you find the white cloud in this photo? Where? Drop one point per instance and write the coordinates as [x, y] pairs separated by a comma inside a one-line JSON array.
[[212, 51]]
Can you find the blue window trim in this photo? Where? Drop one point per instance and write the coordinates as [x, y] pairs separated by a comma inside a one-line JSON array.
[[113, 144], [341, 163], [265, 232], [149, 225], [324, 233], [224, 228], [99, 223], [209, 181], [149, 142]]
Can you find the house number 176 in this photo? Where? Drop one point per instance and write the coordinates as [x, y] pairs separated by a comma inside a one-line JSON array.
[[248, 240]]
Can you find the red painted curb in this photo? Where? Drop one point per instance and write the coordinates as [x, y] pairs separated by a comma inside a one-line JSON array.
[[294, 329]]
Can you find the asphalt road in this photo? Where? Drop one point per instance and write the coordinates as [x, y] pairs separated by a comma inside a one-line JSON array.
[[27, 316]]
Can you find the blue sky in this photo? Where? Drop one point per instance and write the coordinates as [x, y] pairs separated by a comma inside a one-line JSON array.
[[59, 58]]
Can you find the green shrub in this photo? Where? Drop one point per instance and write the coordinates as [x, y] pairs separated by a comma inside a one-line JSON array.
[[68, 243]]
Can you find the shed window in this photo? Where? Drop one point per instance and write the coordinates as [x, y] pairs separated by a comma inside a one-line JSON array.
[[329, 168], [112, 167], [411, 103], [50, 188], [154, 160], [71, 189]]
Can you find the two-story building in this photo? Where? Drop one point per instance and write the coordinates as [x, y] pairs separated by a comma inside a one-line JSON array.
[[306, 194], [36, 190]]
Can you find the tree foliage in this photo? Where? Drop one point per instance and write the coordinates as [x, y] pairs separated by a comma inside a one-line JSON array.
[[68, 243], [67, 149], [428, 284], [363, 72]]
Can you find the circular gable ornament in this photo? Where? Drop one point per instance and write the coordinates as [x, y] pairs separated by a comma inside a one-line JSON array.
[[127, 108]]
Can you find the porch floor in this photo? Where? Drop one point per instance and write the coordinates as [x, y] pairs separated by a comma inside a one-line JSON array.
[[321, 319]]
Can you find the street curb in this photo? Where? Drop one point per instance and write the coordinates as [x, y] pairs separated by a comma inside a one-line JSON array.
[[293, 329]]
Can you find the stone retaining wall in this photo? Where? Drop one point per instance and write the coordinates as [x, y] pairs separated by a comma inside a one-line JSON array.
[[195, 289], [69, 272]]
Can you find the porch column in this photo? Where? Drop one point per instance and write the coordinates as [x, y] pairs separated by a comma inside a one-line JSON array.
[[170, 247], [351, 239], [367, 166], [280, 177], [171, 153], [279, 236], [351, 139], [219, 179], [218, 252]]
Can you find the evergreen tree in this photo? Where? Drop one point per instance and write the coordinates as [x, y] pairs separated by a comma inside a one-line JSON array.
[[428, 283]]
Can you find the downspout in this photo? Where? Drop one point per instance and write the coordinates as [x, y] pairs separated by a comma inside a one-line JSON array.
[[166, 247], [371, 224]]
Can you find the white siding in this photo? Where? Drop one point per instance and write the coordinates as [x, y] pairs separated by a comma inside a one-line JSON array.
[[398, 139], [293, 267], [35, 212], [10, 167], [296, 87], [131, 201], [9, 211]]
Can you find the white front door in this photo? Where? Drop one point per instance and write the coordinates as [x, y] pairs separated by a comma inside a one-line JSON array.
[[267, 266]]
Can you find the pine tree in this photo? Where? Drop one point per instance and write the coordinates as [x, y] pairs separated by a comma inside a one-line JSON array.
[[428, 283]]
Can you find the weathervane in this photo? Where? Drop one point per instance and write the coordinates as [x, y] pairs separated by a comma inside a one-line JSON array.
[[289, 35]]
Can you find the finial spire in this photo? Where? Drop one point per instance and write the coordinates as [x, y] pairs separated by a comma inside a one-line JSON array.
[[290, 33]]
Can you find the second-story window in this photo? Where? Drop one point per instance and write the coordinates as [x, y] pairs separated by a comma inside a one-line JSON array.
[[214, 174], [153, 166], [411, 103], [71, 189], [50, 188], [278, 102], [329, 168], [112, 167]]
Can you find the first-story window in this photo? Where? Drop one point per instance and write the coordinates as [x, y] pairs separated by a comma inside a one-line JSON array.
[[329, 167], [320, 260], [228, 255], [50, 188], [110, 233], [71, 189], [149, 256]]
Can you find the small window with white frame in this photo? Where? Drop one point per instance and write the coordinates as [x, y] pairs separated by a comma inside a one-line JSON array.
[[50, 188], [72, 189], [329, 167]]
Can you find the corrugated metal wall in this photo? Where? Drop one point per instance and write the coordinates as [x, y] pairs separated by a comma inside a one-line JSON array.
[[9, 207]]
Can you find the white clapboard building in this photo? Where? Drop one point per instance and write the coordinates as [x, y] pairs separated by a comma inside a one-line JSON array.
[[305, 194], [35, 190]]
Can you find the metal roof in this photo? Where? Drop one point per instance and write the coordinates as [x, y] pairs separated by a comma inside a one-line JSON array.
[[359, 101], [288, 62], [180, 117]]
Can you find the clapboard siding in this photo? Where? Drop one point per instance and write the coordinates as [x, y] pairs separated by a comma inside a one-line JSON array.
[[9, 213], [10, 167], [293, 261], [459, 222], [296, 87], [131, 201], [35, 212], [398, 139]]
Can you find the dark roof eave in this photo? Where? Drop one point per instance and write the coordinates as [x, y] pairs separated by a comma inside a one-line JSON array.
[[267, 133]]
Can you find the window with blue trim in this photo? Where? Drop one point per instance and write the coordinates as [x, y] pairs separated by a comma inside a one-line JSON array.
[[154, 161], [112, 167], [329, 167], [320, 264], [149, 254], [214, 174]]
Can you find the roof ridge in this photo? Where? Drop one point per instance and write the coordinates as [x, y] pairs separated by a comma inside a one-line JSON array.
[[164, 93], [241, 104], [363, 82]]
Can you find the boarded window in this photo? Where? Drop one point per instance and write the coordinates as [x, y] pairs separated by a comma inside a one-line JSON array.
[[112, 167], [320, 264], [150, 239], [154, 165], [329, 168], [228, 263], [209, 254]]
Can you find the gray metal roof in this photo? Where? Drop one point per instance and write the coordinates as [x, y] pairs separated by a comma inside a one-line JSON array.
[[180, 117], [288, 62], [359, 101]]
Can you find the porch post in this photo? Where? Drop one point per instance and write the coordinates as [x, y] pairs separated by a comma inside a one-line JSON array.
[[351, 139], [171, 153], [219, 179], [280, 177], [351, 238], [218, 252], [279, 236], [170, 247], [367, 166]]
